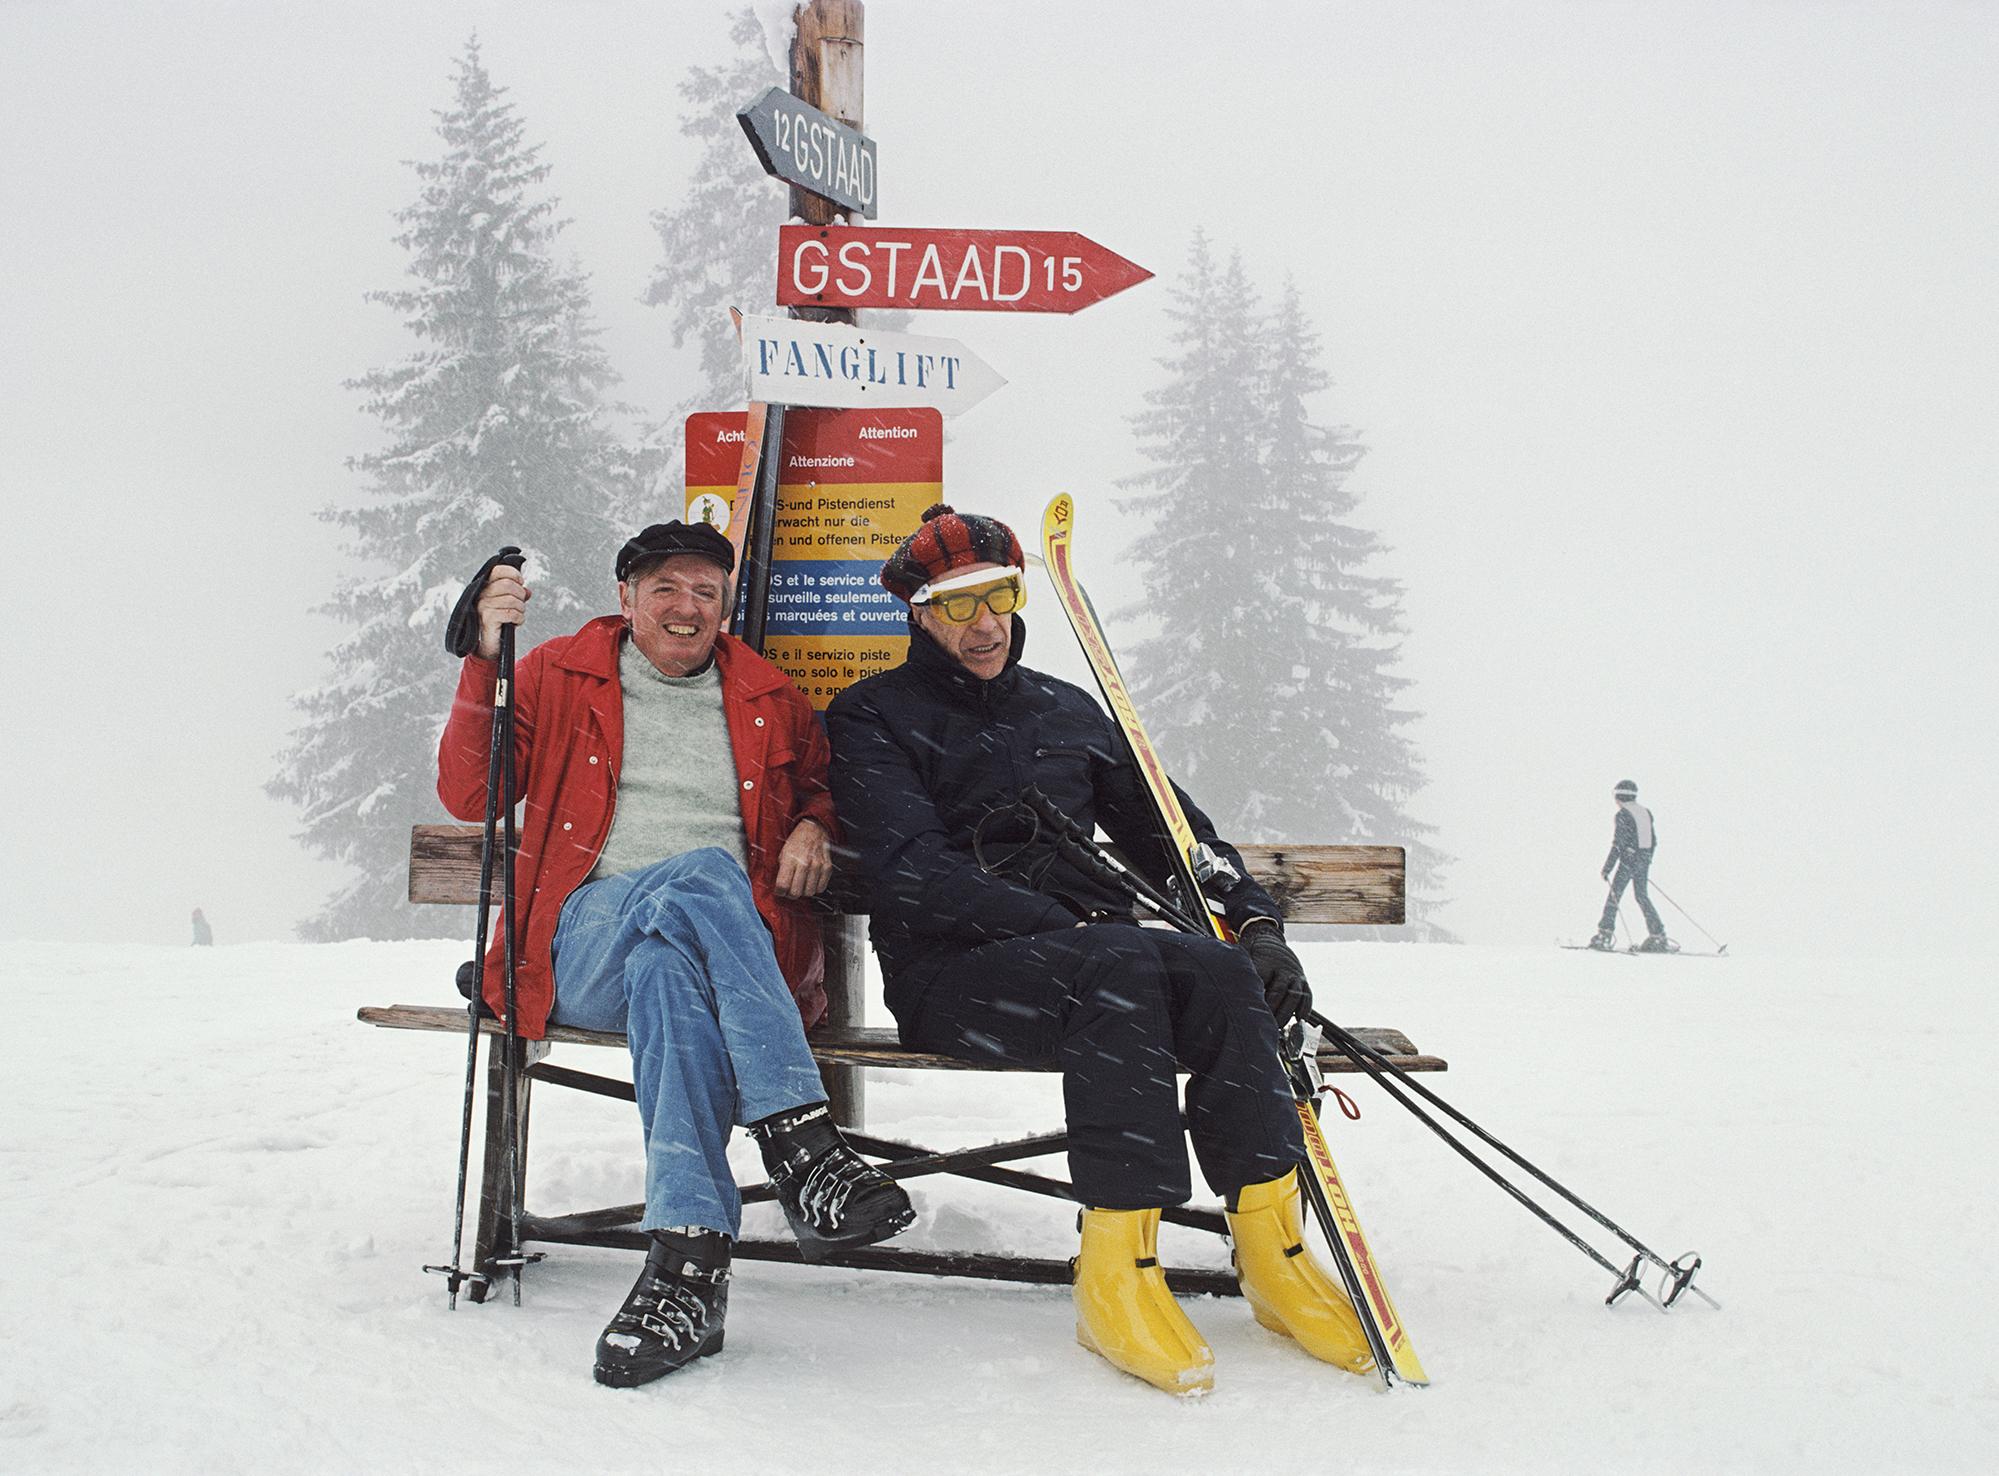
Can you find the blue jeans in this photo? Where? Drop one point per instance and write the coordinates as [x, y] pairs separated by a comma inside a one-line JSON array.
[[676, 956]]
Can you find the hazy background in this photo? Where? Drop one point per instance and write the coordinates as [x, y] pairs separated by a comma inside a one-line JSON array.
[[1672, 328]]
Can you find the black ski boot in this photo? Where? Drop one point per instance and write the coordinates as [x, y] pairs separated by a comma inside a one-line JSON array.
[[673, 1313], [834, 1198], [1658, 943], [1604, 942]]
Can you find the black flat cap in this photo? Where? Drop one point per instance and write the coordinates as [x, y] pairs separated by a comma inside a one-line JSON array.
[[663, 540]]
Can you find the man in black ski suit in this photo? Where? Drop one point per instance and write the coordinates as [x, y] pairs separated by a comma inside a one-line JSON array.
[[1030, 960], [1632, 843]]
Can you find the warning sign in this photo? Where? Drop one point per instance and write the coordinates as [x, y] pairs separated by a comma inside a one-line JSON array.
[[852, 485]]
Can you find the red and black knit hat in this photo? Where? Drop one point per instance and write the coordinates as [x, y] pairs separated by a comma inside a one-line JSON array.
[[947, 540]]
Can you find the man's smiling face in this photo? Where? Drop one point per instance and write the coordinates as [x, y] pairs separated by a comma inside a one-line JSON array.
[[675, 611]]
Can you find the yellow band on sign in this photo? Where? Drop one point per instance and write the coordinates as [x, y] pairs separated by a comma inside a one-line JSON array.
[[825, 666], [848, 522]]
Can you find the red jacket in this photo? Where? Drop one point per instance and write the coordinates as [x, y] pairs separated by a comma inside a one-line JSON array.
[[569, 725]]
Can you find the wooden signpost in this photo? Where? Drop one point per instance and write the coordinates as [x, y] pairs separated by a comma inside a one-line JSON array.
[[836, 488]]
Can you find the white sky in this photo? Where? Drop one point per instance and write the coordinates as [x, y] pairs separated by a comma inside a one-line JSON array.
[[1672, 327]]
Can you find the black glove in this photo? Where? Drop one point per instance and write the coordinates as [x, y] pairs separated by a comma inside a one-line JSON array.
[[468, 985], [1284, 986], [461, 631]]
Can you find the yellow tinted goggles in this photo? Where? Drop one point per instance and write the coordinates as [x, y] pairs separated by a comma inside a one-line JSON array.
[[961, 606]]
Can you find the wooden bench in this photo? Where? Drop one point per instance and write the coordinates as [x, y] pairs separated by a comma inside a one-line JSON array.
[[1313, 884]]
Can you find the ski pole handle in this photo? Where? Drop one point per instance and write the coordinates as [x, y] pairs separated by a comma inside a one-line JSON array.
[[461, 631]]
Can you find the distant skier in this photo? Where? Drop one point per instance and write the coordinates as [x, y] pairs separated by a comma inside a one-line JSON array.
[[204, 936], [1632, 843]]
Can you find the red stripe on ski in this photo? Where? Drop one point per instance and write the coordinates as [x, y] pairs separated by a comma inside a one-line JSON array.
[[1099, 655], [1350, 1231]]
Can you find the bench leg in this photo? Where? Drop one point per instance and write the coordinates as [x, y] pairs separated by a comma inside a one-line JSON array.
[[496, 1194], [846, 945]]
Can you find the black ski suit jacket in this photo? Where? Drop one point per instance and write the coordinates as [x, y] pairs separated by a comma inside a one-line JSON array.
[[924, 752]]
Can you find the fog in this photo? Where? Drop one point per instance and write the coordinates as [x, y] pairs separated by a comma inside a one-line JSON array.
[[1672, 330]]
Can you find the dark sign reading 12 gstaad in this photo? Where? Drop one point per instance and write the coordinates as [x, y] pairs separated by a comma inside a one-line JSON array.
[[965, 271], [803, 146]]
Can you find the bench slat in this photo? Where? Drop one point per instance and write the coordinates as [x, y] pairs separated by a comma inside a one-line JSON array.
[[1313, 884], [855, 1045]]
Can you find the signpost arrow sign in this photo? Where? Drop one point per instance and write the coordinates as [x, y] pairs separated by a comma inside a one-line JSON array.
[[791, 362], [803, 146], [969, 271]]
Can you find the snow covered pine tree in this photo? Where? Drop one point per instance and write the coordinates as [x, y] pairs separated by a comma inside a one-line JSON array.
[[496, 434], [1271, 638]]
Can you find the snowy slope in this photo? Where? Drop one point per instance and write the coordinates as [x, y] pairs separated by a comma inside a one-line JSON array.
[[216, 1190]]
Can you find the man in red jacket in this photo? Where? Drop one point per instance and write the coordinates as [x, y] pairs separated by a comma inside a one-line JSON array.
[[675, 819]]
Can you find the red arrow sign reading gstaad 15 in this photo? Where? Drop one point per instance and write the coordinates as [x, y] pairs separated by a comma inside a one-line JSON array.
[[966, 271]]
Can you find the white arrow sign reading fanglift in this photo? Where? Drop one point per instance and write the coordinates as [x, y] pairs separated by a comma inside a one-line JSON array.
[[792, 362]]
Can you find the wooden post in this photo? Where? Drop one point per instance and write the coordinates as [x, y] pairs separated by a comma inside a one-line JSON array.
[[826, 54]]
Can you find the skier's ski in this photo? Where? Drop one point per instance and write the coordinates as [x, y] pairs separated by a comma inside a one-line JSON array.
[[1395, 1357], [1633, 952]]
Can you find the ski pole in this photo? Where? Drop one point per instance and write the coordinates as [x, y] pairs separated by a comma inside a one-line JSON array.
[[1720, 946], [1083, 847], [460, 639], [1301, 1070], [1383, 1069], [510, 1115], [1610, 901], [1613, 898], [1627, 1278], [514, 1162], [454, 1273]]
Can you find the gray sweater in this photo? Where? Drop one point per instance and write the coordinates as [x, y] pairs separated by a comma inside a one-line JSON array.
[[677, 786]]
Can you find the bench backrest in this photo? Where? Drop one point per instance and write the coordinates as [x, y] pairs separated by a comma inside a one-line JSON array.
[[1313, 884]]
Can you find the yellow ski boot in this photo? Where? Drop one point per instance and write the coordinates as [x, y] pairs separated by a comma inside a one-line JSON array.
[[1286, 1289], [1124, 1311]]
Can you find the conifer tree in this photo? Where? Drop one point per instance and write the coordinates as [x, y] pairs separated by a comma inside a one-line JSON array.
[[1269, 685], [496, 433]]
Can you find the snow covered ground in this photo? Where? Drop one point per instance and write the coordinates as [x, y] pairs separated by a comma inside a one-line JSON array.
[[217, 1189]]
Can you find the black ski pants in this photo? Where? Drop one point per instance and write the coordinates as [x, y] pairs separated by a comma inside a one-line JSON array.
[[1119, 1009], [1633, 869]]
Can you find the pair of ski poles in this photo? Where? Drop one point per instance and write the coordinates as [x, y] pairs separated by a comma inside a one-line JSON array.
[[1676, 1276], [1652, 886], [461, 639]]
